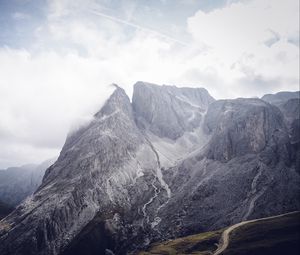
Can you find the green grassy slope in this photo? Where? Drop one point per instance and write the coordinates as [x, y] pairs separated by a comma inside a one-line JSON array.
[[201, 244], [270, 236]]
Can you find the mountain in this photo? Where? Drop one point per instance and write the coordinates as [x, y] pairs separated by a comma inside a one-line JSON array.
[[16, 183], [5, 209], [280, 97], [239, 172], [289, 105], [172, 162], [268, 236], [169, 111]]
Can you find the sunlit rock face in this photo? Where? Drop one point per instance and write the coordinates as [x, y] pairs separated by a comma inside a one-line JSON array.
[[172, 162]]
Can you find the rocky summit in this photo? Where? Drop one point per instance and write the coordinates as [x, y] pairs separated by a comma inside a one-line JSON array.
[[172, 162]]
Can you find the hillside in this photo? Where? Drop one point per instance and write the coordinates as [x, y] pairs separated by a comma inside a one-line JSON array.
[[273, 235], [5, 209]]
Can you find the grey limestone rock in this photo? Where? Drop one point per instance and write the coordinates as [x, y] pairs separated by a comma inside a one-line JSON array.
[[245, 126], [172, 162], [168, 111], [280, 97]]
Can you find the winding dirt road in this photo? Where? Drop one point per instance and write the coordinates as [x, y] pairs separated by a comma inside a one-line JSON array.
[[224, 241]]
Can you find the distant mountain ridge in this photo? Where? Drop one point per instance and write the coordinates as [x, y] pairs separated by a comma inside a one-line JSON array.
[[16, 183], [280, 97], [174, 162]]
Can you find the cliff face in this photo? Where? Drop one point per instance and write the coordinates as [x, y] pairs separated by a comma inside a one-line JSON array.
[[280, 97], [173, 162], [245, 126], [289, 105], [168, 111]]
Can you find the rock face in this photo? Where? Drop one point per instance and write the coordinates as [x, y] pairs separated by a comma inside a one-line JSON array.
[[94, 174], [291, 113], [168, 111], [171, 163], [5, 209], [289, 105], [246, 162], [17, 183], [280, 97], [244, 126]]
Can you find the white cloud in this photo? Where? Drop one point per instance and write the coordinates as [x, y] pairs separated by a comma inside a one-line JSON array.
[[62, 78], [42, 96], [15, 154], [20, 16], [238, 38], [244, 25]]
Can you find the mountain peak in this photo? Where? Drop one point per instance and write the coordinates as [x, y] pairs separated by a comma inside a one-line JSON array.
[[174, 157], [117, 101], [169, 111]]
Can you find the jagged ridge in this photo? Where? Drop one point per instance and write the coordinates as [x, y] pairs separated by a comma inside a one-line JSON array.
[[174, 162]]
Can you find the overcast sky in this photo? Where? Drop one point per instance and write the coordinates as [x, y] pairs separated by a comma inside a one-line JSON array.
[[57, 58]]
